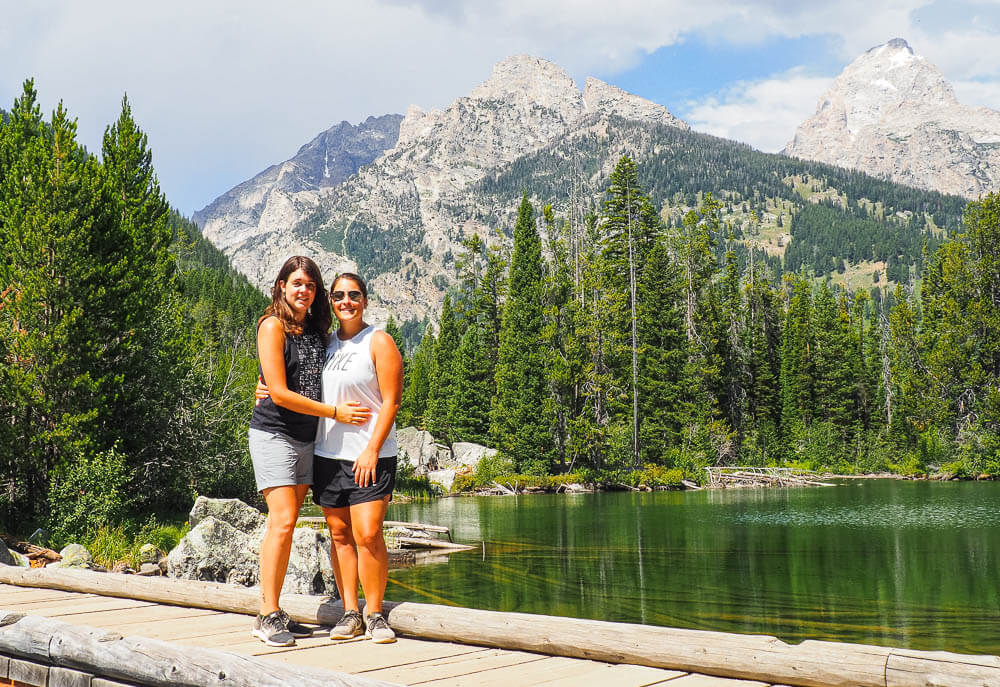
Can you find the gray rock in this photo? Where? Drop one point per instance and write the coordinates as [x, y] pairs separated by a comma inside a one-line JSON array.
[[419, 448], [444, 477], [469, 454], [6, 557], [75, 556], [232, 511], [214, 550], [148, 553], [310, 570]]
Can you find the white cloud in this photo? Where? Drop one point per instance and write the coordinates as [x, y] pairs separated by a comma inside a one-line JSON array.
[[228, 87], [763, 113]]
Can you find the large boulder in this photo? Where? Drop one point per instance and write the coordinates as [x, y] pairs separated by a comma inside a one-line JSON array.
[[468, 454], [419, 448], [233, 511], [215, 551], [445, 477], [224, 545]]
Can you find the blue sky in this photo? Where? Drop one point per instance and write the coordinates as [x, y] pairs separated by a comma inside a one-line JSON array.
[[228, 87]]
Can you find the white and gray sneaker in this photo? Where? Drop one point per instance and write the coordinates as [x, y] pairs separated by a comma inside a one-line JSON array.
[[350, 626], [271, 630], [298, 630], [378, 629]]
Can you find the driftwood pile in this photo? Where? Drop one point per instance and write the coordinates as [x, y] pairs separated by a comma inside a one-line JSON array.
[[741, 476]]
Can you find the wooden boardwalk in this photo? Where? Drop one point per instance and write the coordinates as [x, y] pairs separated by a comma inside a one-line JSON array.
[[407, 662]]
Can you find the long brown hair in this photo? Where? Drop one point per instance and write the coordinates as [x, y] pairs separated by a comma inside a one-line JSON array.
[[318, 319]]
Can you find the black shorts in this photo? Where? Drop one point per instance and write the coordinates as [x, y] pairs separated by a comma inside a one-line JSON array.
[[334, 485]]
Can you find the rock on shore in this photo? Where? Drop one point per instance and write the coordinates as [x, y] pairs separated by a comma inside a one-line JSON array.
[[224, 544]]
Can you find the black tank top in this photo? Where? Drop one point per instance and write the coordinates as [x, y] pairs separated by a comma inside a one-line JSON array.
[[304, 358]]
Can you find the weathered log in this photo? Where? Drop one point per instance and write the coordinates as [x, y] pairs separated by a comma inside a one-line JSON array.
[[423, 543], [754, 657], [152, 662]]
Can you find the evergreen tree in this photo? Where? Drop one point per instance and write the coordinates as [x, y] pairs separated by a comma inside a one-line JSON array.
[[416, 385], [521, 423], [441, 387]]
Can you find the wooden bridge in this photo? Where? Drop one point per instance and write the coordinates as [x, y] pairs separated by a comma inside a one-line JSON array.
[[67, 628]]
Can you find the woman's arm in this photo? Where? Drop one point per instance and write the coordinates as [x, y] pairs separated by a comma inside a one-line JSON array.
[[389, 370], [271, 352]]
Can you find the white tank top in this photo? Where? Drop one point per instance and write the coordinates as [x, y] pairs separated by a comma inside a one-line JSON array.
[[349, 375]]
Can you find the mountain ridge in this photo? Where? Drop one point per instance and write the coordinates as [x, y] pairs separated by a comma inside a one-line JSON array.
[[892, 113]]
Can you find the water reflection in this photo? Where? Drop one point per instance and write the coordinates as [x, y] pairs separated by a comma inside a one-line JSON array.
[[888, 562]]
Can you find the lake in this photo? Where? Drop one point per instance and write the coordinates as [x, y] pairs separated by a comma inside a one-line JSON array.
[[892, 562]]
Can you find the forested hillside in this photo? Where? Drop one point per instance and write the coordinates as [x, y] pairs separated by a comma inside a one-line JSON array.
[[640, 349], [128, 359], [793, 213]]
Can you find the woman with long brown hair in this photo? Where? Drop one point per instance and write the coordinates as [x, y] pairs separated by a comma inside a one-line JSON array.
[[291, 346]]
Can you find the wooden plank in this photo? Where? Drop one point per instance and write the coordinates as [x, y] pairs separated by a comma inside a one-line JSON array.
[[751, 657], [713, 681], [27, 672], [66, 677], [610, 675], [365, 656], [468, 667], [101, 682], [906, 668], [4, 666], [559, 671], [151, 615], [151, 662], [67, 607]]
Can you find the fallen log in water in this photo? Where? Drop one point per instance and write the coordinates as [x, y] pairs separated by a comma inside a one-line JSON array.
[[753, 657]]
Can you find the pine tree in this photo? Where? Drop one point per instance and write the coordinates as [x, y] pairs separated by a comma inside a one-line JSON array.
[[54, 233], [521, 423], [441, 387], [416, 384]]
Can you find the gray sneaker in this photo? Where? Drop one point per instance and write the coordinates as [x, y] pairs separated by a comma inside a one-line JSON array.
[[379, 630], [350, 626], [271, 630], [297, 629]]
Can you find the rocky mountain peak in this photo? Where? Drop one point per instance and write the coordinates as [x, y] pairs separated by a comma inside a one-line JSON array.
[[890, 112], [607, 99], [402, 210]]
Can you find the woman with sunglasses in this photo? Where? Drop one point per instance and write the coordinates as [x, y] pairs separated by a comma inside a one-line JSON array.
[[355, 467], [292, 337]]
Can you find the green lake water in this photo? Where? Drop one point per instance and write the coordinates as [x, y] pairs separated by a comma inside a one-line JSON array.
[[901, 563]]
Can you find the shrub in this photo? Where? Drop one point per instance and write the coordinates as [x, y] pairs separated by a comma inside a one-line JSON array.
[[87, 493]]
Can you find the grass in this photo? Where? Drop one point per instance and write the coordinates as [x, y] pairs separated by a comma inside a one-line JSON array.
[[110, 545]]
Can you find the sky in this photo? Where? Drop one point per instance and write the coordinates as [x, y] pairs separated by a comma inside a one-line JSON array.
[[226, 88]]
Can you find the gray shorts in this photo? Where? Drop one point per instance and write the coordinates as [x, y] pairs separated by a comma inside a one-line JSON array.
[[279, 460]]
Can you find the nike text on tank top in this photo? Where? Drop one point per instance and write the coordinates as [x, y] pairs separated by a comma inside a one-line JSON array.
[[303, 364], [349, 375]]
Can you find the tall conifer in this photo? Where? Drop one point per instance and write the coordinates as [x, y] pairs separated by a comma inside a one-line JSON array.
[[521, 422]]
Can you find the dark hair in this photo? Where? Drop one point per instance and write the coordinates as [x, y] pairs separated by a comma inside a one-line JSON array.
[[354, 278], [318, 319]]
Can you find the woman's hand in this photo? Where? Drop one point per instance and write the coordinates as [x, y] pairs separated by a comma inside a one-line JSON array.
[[260, 393], [364, 468], [353, 413]]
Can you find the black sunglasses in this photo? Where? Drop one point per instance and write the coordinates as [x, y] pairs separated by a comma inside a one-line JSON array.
[[337, 296]]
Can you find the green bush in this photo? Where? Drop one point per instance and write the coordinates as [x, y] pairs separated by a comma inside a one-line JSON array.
[[89, 493], [408, 484]]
